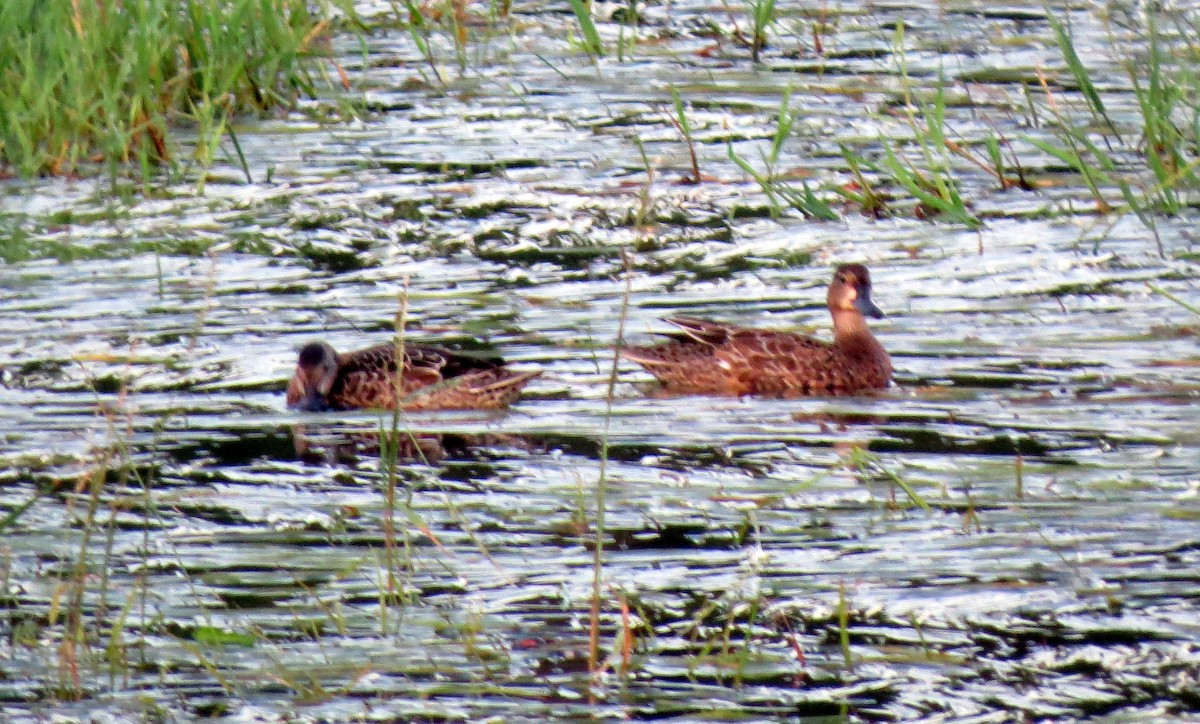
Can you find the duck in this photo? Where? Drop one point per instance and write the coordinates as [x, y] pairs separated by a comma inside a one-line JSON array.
[[712, 358], [430, 378]]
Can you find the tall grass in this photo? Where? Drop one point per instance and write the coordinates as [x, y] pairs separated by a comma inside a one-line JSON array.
[[601, 498], [930, 179], [777, 190], [1152, 167], [761, 14], [114, 80], [409, 16], [590, 40], [684, 127], [397, 560], [1066, 45]]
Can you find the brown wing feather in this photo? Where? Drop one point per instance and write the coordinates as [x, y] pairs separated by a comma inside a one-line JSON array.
[[430, 378], [478, 390], [709, 357], [765, 362], [683, 365], [701, 330]]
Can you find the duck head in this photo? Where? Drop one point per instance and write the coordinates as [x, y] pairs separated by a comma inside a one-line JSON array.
[[315, 372], [850, 291]]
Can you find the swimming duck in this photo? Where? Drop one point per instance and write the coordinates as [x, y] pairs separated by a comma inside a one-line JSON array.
[[707, 357], [431, 378]]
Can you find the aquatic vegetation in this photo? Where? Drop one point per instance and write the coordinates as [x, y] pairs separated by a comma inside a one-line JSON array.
[[762, 15], [681, 123], [861, 191], [931, 180], [1166, 139], [630, 19], [590, 42], [777, 189], [599, 525], [112, 82], [1003, 163], [863, 461], [420, 31], [1193, 308], [1008, 532], [397, 559]]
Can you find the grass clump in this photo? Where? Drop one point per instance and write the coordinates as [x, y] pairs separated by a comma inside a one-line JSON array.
[[1153, 168], [111, 80], [931, 179], [777, 190]]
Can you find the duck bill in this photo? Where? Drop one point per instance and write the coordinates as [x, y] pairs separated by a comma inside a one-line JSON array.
[[865, 306], [304, 397]]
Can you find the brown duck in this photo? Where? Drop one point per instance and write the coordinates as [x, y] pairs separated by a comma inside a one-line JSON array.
[[707, 357], [430, 378]]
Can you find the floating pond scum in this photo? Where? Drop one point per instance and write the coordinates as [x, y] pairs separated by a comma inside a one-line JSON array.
[[1007, 533]]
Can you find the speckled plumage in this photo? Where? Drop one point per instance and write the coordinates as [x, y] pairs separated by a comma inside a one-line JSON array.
[[708, 357], [431, 378]]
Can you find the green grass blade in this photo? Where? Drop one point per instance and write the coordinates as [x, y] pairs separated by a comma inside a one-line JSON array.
[[783, 128], [1066, 45], [1163, 292], [680, 114], [591, 38]]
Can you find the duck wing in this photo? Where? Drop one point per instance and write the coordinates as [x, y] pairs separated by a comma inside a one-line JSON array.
[[446, 363], [711, 357], [367, 379], [767, 362]]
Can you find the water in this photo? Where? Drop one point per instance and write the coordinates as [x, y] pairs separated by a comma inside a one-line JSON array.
[[1044, 410]]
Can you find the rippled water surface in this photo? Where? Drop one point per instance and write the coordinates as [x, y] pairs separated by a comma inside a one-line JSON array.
[[1010, 532]]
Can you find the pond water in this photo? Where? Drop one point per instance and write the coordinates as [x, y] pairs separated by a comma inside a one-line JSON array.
[[762, 558]]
